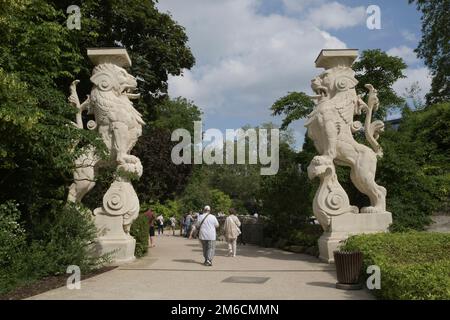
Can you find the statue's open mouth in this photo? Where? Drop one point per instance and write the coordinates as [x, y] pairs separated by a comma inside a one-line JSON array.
[[320, 90], [129, 91]]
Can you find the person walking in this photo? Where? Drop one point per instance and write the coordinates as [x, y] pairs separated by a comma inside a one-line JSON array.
[[232, 232], [160, 221], [151, 222], [182, 224], [187, 224], [173, 223], [192, 233], [206, 226]]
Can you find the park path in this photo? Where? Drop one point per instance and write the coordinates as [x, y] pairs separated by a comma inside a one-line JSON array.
[[174, 270]]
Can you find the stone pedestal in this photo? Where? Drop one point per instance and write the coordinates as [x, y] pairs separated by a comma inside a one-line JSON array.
[[349, 224], [121, 250], [113, 240]]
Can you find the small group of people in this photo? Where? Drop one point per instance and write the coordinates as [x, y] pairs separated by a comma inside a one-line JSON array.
[[202, 226], [187, 224], [160, 225], [207, 225]]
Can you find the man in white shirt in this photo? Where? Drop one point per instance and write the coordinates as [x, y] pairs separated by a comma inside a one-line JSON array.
[[173, 224], [160, 222], [207, 225]]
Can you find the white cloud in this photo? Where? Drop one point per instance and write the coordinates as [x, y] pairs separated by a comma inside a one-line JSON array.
[[406, 53], [420, 75], [337, 16], [245, 60], [409, 36], [296, 6]]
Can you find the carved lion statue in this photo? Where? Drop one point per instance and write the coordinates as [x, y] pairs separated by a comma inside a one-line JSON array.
[[117, 121], [331, 127]]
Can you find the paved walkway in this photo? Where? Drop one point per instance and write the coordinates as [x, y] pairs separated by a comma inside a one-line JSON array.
[[174, 270]]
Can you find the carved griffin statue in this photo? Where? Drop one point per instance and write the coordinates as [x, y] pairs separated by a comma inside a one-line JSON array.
[[331, 127]]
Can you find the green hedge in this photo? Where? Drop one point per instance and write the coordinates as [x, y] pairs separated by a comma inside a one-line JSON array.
[[414, 265], [140, 231]]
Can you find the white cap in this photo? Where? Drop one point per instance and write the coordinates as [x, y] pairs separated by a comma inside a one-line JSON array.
[[206, 208]]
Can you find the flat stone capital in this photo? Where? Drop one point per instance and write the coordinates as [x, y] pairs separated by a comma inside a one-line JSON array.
[[329, 58], [117, 56]]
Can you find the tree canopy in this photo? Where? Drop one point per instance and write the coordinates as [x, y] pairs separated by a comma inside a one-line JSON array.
[[434, 47]]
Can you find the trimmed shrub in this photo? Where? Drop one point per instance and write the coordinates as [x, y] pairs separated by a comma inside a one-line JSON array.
[[414, 265], [140, 231]]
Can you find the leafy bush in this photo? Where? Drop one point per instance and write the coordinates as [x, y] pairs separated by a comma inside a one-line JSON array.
[[140, 231], [13, 240], [307, 235], [414, 265], [171, 208], [67, 240]]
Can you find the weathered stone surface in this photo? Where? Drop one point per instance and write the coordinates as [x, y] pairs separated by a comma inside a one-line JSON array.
[[331, 127], [119, 124]]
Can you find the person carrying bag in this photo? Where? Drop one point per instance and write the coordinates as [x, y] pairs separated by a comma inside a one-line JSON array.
[[206, 229]]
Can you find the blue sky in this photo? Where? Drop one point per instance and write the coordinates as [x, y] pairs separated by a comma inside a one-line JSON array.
[[251, 52]]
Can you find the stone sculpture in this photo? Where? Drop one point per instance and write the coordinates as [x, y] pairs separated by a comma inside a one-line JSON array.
[[119, 125], [331, 127]]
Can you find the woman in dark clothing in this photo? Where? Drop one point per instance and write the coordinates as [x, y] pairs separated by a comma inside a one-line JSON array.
[[151, 222]]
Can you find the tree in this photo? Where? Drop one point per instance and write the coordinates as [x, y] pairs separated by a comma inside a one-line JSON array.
[[382, 71], [37, 137], [434, 47], [287, 196], [157, 44], [220, 202], [39, 58], [161, 178], [176, 113], [294, 106], [415, 168]]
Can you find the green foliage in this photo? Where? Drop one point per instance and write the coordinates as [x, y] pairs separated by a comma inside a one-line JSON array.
[[39, 58], [37, 164], [415, 168], [196, 194], [278, 192], [414, 265], [13, 240], [382, 71], [140, 231], [154, 149], [220, 202], [157, 45], [295, 105], [171, 208], [434, 46], [177, 113], [307, 235], [65, 240]]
